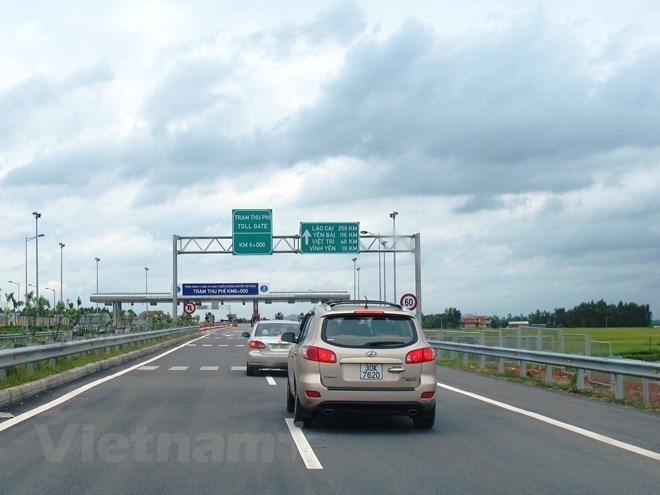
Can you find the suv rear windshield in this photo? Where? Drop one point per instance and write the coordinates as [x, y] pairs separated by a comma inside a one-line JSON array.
[[369, 331]]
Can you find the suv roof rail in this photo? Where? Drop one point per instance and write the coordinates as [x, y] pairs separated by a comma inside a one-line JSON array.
[[366, 302]]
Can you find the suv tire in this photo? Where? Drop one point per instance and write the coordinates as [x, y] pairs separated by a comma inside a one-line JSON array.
[[425, 420], [302, 418]]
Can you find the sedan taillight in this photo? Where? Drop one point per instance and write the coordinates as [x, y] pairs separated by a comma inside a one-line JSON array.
[[257, 344], [319, 354], [420, 355]]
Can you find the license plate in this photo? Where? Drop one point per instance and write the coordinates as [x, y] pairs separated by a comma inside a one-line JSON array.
[[371, 372], [279, 346]]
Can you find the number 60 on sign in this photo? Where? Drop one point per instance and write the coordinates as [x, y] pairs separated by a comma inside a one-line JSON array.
[[409, 301]]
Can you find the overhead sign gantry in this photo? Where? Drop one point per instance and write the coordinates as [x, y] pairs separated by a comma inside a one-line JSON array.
[[252, 235]]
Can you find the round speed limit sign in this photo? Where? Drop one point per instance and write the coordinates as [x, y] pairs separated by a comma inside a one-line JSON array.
[[189, 307], [409, 301]]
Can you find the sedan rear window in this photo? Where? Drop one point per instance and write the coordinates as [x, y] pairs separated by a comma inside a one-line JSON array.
[[265, 330], [369, 331]]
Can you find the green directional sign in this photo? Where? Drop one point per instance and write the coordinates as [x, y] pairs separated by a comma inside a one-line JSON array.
[[329, 237], [252, 231]]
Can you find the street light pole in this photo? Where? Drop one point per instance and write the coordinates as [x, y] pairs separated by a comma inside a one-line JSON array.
[[61, 270], [354, 283], [384, 243], [26, 275], [393, 217], [19, 288], [97, 280], [37, 216], [380, 280], [358, 282], [19, 298], [54, 295], [146, 290]]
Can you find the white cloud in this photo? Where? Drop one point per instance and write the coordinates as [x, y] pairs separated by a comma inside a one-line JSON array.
[[519, 141]]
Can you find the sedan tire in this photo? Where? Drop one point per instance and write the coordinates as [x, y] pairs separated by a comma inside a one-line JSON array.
[[290, 399]]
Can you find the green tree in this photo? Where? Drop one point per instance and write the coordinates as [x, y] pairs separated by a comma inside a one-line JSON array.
[[10, 299], [454, 317], [496, 322]]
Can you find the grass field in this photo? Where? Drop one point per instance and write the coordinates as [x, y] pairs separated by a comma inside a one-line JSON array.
[[634, 343], [626, 341]]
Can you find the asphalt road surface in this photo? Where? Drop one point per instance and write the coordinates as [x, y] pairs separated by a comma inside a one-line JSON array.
[[190, 421]]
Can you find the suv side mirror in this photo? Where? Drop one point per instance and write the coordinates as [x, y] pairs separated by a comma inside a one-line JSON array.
[[289, 337]]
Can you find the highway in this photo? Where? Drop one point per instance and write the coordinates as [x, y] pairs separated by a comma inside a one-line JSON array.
[[190, 421]]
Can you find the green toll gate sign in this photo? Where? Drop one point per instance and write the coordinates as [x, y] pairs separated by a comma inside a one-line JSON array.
[[252, 231], [329, 237]]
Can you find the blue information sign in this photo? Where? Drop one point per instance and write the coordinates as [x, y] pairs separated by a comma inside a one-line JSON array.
[[246, 289]]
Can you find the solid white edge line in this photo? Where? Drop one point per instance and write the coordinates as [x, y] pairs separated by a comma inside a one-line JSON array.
[[304, 449], [70, 395], [271, 380], [575, 429]]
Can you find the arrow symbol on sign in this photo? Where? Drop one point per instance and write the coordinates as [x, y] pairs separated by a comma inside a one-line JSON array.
[[306, 235]]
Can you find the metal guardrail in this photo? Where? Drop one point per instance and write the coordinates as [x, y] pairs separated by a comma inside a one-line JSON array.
[[27, 356], [616, 367], [532, 338], [19, 336]]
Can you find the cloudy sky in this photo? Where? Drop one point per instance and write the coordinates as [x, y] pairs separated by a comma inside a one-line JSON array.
[[520, 139]]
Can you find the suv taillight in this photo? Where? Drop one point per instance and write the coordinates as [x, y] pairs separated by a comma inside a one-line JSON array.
[[257, 344], [420, 355], [319, 354]]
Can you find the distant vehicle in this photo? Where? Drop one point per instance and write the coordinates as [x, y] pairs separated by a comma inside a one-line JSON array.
[[265, 347], [279, 316], [361, 356]]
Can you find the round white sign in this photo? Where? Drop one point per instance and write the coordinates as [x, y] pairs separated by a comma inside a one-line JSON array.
[[189, 307], [409, 301]]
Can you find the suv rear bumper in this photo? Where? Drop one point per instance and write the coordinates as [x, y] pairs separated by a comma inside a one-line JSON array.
[[385, 401], [384, 408]]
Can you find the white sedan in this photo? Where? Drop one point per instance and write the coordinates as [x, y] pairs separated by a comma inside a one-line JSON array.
[[265, 347]]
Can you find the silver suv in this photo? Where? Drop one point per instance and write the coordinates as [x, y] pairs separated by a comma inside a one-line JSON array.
[[364, 357]]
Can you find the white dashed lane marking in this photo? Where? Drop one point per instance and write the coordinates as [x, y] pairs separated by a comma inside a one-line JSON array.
[[178, 368], [148, 368], [209, 368]]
